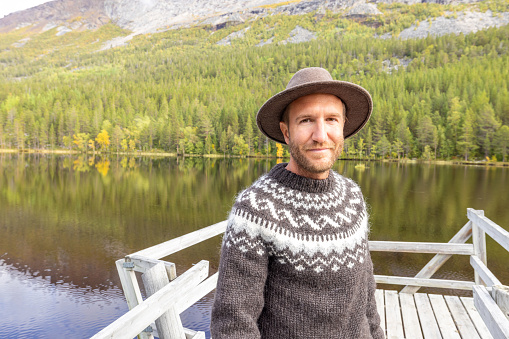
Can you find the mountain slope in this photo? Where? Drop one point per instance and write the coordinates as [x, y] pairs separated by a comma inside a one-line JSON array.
[[181, 91], [79, 14], [143, 16]]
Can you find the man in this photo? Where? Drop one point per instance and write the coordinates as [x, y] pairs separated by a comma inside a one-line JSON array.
[[295, 261]]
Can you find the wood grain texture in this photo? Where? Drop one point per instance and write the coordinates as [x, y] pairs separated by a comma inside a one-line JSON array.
[[174, 245], [393, 313], [169, 325], [465, 326], [479, 324], [430, 329], [493, 230], [411, 323], [497, 323], [380, 307], [484, 273], [421, 247], [444, 318], [137, 319], [440, 283]]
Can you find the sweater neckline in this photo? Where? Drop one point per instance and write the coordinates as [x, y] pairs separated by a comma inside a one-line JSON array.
[[297, 182]]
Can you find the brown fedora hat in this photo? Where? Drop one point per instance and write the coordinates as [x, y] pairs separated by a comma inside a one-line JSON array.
[[314, 80]]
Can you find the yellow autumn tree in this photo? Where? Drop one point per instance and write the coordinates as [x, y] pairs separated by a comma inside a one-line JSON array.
[[91, 144], [103, 139], [80, 141], [280, 150], [279, 153]]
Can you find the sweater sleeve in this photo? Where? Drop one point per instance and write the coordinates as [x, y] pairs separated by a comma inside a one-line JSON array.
[[371, 310], [239, 297]]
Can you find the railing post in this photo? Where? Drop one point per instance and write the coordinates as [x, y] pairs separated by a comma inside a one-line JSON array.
[[501, 296], [169, 325], [132, 291], [479, 242]]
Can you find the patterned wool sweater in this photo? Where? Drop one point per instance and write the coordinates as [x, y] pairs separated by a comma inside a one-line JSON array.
[[295, 262]]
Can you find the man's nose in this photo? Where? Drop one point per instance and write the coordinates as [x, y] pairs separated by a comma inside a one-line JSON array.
[[320, 133]]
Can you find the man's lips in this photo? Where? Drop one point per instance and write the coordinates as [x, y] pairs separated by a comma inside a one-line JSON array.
[[318, 149]]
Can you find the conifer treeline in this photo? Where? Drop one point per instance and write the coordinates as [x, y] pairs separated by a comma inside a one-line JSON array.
[[452, 100]]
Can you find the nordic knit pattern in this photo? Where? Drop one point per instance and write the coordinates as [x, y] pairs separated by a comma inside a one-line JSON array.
[[295, 262]]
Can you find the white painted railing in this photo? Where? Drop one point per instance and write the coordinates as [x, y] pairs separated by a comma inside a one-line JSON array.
[[168, 296]]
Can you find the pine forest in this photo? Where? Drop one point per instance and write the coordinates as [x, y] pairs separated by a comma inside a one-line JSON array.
[[178, 91]]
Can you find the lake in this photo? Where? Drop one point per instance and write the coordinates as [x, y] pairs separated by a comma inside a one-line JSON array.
[[64, 220]]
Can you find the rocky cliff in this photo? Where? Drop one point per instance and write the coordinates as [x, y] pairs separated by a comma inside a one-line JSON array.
[[75, 14], [143, 16], [146, 16]]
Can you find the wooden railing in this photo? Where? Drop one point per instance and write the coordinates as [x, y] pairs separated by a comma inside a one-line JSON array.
[[490, 298], [169, 295], [165, 305]]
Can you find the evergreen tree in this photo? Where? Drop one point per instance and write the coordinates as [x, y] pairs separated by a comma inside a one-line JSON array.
[[502, 141], [467, 145]]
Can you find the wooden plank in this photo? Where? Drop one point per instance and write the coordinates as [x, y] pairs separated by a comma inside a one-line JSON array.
[[498, 234], [443, 317], [440, 259], [484, 273], [497, 323], [411, 323], [132, 291], [463, 323], [142, 264], [421, 247], [190, 334], [194, 334], [174, 245], [188, 298], [169, 325], [137, 319], [440, 283], [380, 307], [429, 324], [393, 313], [479, 242], [479, 324], [501, 296]]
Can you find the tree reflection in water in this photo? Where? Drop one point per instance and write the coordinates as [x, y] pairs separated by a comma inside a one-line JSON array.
[[66, 219]]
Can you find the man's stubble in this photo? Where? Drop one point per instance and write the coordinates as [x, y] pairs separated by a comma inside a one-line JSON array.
[[310, 166]]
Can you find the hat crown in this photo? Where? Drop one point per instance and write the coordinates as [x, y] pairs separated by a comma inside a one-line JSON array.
[[309, 75]]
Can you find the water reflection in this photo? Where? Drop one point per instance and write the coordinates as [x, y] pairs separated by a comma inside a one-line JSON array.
[[65, 220], [37, 307]]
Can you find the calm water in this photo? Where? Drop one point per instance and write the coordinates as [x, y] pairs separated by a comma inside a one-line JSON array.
[[65, 220]]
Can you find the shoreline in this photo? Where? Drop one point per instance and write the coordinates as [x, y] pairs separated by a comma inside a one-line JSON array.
[[169, 154]]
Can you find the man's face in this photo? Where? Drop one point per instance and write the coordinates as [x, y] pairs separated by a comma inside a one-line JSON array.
[[314, 134]]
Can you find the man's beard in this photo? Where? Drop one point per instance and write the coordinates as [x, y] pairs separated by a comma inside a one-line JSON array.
[[312, 166]]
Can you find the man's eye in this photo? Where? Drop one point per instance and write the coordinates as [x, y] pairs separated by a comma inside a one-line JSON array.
[[305, 120]]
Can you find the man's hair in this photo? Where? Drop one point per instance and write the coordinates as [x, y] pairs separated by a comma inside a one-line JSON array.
[[286, 114]]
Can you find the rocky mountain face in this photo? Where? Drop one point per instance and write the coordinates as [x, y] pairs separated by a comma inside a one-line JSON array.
[[144, 16], [74, 14]]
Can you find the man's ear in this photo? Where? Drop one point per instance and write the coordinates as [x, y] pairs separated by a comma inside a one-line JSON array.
[[284, 129]]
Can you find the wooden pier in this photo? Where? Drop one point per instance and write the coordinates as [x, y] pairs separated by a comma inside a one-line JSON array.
[[406, 314], [422, 315]]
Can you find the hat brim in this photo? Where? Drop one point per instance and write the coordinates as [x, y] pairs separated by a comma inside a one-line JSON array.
[[357, 100]]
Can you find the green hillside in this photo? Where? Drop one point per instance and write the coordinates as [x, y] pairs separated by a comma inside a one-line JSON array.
[[178, 91]]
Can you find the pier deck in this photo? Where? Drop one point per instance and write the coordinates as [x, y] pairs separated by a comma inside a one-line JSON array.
[[406, 314], [423, 316]]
